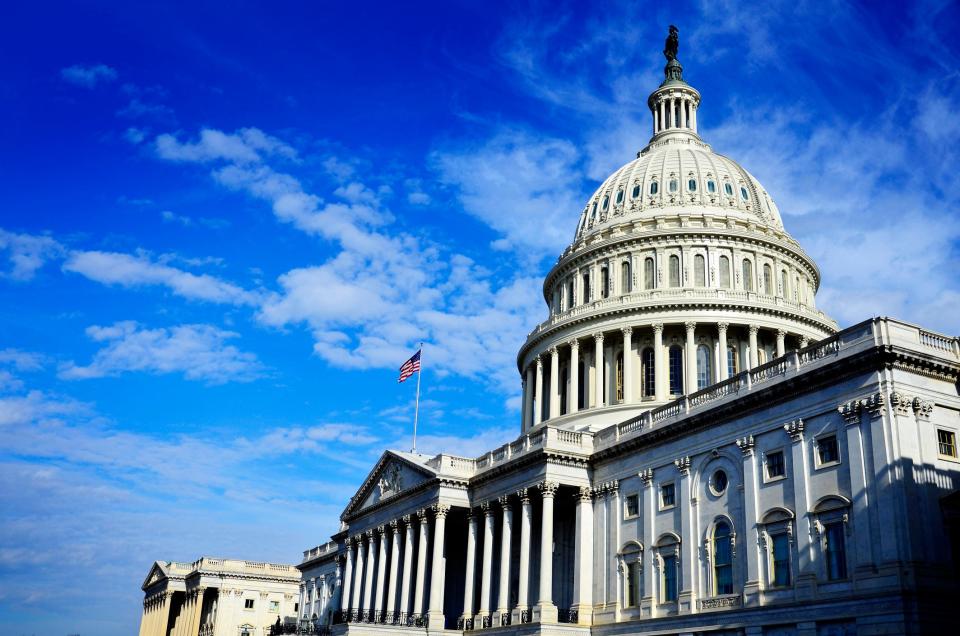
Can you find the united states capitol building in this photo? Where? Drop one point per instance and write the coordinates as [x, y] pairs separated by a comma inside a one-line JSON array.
[[701, 450]]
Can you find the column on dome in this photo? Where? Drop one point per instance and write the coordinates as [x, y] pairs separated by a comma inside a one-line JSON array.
[[754, 358], [683, 112], [470, 565], [627, 365], [574, 390], [656, 121], [422, 544], [663, 121], [690, 366], [523, 576], [394, 569], [583, 557], [538, 393], [483, 610], [804, 341], [545, 607], [693, 116], [528, 380], [781, 342], [368, 576], [436, 620], [722, 369], [503, 593], [598, 368], [554, 382], [408, 571], [358, 573], [659, 375]]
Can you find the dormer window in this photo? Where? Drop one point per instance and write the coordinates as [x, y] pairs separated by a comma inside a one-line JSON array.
[[606, 202], [673, 185], [654, 187], [636, 192], [743, 194], [711, 186], [619, 196], [593, 212], [728, 189], [692, 185]]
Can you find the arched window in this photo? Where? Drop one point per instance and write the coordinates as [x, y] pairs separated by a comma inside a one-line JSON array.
[[632, 579], [673, 185], [703, 367], [586, 288], [654, 187], [743, 194], [571, 299], [711, 186], [648, 273], [722, 559], [619, 377], [728, 189], [669, 580], [604, 282], [747, 275], [699, 271], [767, 280], [636, 192], [593, 212], [626, 280], [676, 370], [648, 372], [606, 203], [796, 289], [674, 271], [784, 284], [692, 185], [620, 196], [725, 272], [733, 366]]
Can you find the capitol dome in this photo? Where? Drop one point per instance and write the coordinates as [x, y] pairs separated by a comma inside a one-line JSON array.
[[680, 276]]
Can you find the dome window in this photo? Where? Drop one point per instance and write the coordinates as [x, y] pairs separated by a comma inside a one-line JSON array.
[[711, 186], [606, 202], [619, 196], [743, 194], [692, 185], [593, 213], [654, 187], [728, 189], [673, 185], [636, 192]]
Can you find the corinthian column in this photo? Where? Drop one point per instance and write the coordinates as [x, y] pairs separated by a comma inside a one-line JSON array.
[[484, 609], [407, 565], [545, 606], [380, 590], [598, 368], [345, 590], [627, 365], [691, 365], [781, 342], [394, 570], [573, 393], [659, 371], [470, 565], [583, 558], [554, 382], [368, 582], [754, 358], [523, 591], [538, 394], [436, 576], [503, 595], [358, 573], [527, 399], [722, 369], [421, 561]]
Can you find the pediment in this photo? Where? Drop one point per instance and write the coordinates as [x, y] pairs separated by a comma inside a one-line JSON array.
[[392, 475], [157, 573]]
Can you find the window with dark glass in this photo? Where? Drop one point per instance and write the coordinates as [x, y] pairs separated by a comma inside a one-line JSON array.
[[636, 191], [633, 582], [781, 559], [775, 465], [947, 443], [620, 195], [648, 273], [586, 288], [248, 603], [581, 386], [722, 559], [649, 373], [783, 283], [593, 213], [619, 377], [718, 482], [728, 189], [669, 579], [676, 370], [571, 298], [747, 275], [704, 372], [733, 367], [632, 506], [836, 553], [626, 280], [767, 280], [699, 270], [667, 496], [606, 202], [692, 185], [654, 187], [724, 272], [674, 271], [743, 193], [604, 283], [711, 186], [828, 450]]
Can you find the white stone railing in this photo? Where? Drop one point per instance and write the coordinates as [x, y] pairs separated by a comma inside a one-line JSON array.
[[254, 567], [866, 334], [320, 550], [547, 436]]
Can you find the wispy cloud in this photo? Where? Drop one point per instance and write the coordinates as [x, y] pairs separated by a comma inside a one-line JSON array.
[[88, 76], [198, 352], [26, 253]]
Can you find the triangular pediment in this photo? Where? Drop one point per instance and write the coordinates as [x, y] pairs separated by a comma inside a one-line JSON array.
[[394, 474], [157, 573]]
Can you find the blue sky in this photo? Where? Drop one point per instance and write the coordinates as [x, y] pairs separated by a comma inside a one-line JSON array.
[[223, 226]]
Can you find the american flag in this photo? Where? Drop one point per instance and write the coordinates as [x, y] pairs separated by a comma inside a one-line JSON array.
[[410, 367]]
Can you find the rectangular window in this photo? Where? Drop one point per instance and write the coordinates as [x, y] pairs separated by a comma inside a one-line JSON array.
[[947, 443], [781, 560], [669, 579], [836, 551], [775, 465], [248, 603], [827, 449], [633, 584], [667, 496], [632, 507], [275, 606], [296, 607]]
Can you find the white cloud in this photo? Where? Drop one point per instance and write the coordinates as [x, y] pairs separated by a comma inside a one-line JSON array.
[[27, 253], [199, 352], [244, 146], [114, 268], [88, 76]]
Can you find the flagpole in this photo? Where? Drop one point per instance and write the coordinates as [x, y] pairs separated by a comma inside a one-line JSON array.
[[416, 410]]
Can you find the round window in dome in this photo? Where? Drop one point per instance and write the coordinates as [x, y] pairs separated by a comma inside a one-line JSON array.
[[620, 196], [743, 194], [636, 191], [673, 185], [728, 189], [606, 202], [692, 185], [718, 482], [711, 186], [654, 187]]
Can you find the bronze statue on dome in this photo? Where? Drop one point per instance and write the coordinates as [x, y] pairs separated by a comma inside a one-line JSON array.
[[672, 44]]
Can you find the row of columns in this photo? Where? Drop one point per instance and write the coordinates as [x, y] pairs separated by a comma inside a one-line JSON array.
[[533, 378], [376, 599], [156, 613], [314, 597], [675, 112], [188, 621]]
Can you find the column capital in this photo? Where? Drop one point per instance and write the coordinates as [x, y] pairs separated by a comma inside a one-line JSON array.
[[627, 331], [598, 337], [683, 465], [746, 444], [657, 327], [585, 493], [804, 342], [754, 329], [440, 510], [353, 541], [422, 516], [504, 501], [381, 529], [781, 333], [723, 326], [548, 488], [395, 526], [690, 325], [487, 508], [574, 344], [646, 476], [406, 519], [794, 429], [524, 496], [539, 362], [553, 351]]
